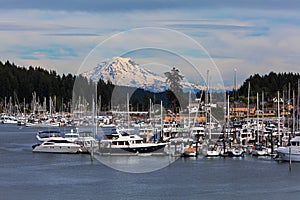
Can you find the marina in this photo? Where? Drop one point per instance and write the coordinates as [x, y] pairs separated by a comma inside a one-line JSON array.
[[27, 175], [140, 100]]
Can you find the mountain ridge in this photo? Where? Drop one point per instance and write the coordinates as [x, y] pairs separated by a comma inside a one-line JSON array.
[[126, 72]]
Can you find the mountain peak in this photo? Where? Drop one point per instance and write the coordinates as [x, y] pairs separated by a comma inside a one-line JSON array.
[[124, 71]]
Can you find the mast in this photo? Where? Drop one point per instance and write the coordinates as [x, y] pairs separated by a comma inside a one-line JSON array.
[[93, 113], [161, 119], [248, 106], [228, 117], [96, 109], [189, 109], [278, 114], [289, 103], [24, 112], [293, 130], [128, 116], [207, 106], [298, 102], [262, 110], [257, 117]]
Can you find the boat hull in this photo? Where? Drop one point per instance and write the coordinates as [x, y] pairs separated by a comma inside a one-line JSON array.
[[132, 149], [285, 154], [56, 148], [213, 153]]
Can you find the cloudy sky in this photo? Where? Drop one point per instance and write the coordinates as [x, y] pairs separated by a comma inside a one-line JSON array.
[[249, 36]]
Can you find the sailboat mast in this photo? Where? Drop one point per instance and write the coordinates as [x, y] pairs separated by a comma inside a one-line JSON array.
[[298, 102], [248, 106], [278, 114], [293, 132]]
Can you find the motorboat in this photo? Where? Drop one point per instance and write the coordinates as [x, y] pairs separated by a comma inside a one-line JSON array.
[[58, 145], [291, 152], [7, 119], [259, 150], [213, 151], [236, 152], [124, 143], [189, 151]]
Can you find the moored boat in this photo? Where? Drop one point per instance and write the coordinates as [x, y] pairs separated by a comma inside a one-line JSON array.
[[213, 151], [236, 152], [259, 150], [125, 143], [57, 145], [291, 152], [189, 151]]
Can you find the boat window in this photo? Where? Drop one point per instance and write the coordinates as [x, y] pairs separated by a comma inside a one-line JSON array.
[[124, 134], [295, 143]]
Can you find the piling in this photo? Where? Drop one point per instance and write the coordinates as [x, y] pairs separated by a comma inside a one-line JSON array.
[[290, 163], [92, 151]]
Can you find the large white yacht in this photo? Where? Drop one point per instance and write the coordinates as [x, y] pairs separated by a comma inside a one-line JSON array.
[[291, 152], [8, 119], [58, 145], [124, 143]]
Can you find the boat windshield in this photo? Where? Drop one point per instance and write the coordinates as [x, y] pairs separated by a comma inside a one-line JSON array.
[[124, 134], [45, 134]]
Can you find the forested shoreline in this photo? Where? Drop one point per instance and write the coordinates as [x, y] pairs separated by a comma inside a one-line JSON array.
[[18, 84]]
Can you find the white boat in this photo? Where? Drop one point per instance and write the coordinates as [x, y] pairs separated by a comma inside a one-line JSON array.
[[124, 143], [259, 150], [7, 119], [213, 151], [236, 152], [57, 145], [291, 152]]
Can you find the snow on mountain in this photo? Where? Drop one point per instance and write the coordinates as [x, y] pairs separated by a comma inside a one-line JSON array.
[[125, 72]]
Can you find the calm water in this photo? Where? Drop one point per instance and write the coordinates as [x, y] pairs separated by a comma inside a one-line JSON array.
[[27, 175]]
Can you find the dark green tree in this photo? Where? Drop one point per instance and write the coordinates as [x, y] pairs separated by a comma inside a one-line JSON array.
[[175, 95]]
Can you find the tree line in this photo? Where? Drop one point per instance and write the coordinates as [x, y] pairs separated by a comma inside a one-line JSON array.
[[269, 85], [20, 83]]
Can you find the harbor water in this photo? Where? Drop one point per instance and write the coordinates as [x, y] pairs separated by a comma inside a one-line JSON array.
[[27, 175]]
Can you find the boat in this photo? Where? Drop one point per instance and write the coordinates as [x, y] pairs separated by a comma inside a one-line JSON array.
[[292, 152], [189, 151], [213, 151], [123, 143], [58, 145], [8, 119], [259, 150], [235, 152]]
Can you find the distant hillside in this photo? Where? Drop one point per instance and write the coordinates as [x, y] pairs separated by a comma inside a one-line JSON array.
[[270, 84], [19, 83]]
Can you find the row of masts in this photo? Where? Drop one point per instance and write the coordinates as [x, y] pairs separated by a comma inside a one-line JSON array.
[[36, 106]]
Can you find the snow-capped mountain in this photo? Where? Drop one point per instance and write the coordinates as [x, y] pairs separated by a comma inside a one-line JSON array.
[[125, 72]]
